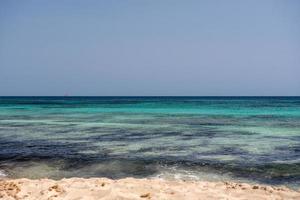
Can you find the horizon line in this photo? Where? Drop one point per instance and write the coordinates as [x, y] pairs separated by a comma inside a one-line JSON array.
[[149, 96]]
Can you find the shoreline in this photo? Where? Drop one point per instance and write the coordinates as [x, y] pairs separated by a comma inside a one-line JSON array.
[[132, 188]]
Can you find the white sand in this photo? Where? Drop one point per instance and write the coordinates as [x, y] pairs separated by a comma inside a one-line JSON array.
[[130, 188]]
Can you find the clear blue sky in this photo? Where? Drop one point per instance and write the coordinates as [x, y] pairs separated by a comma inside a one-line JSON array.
[[149, 47]]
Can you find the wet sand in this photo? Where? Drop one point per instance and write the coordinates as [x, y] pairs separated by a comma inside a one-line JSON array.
[[130, 188]]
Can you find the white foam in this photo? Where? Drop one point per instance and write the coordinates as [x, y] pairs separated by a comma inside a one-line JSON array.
[[2, 173]]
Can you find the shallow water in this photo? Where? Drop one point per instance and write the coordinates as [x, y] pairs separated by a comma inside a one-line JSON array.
[[252, 139]]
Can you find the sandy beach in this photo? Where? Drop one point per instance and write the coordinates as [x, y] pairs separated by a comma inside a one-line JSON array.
[[130, 188]]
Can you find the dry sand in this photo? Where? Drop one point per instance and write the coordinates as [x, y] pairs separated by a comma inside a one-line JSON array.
[[130, 188]]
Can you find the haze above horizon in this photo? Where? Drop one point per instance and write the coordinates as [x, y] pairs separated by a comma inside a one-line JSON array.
[[149, 48]]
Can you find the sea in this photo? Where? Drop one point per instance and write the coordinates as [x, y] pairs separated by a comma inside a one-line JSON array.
[[242, 139]]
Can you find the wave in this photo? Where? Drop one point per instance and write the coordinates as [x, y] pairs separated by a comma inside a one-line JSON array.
[[2, 174]]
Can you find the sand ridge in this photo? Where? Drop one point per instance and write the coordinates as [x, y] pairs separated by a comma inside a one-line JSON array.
[[131, 188]]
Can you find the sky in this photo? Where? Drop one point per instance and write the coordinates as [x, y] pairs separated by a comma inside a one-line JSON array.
[[149, 47]]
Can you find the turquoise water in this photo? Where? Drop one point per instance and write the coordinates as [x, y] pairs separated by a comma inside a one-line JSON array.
[[251, 139]]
